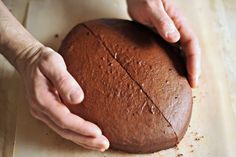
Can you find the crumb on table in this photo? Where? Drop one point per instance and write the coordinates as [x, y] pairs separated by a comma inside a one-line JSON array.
[[56, 35]]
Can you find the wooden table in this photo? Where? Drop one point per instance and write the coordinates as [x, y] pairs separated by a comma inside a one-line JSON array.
[[214, 111]]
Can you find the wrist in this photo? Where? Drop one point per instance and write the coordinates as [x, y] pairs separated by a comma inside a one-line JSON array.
[[26, 57], [16, 43]]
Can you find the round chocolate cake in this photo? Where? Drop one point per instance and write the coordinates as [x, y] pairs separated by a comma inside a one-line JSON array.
[[134, 84]]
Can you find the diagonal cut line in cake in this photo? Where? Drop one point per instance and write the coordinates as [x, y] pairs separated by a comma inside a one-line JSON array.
[[109, 52]]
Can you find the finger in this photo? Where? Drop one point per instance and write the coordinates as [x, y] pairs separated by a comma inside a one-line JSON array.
[[193, 59], [49, 103], [189, 43], [95, 143], [54, 68], [163, 23], [61, 115]]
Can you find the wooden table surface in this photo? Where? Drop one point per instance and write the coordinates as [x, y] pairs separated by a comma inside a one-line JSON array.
[[214, 111]]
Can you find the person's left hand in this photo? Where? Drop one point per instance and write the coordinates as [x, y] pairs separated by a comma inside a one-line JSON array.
[[171, 25]]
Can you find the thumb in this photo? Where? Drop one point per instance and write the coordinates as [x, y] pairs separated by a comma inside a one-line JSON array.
[[164, 24], [54, 68], [68, 88]]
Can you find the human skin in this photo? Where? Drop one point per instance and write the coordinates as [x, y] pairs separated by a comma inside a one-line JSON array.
[[44, 72], [47, 83], [168, 21]]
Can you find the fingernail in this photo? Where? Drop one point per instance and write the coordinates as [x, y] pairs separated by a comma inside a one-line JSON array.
[[105, 143], [196, 82], [172, 33], [98, 132], [102, 150], [76, 96], [198, 49]]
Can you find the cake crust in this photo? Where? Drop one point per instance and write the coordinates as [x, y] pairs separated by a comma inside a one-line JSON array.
[[134, 84]]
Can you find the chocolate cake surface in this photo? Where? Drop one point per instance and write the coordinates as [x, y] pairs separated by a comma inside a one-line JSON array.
[[134, 84]]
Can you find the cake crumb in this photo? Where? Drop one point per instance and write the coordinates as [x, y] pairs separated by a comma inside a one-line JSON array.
[[152, 109], [191, 151], [139, 63], [197, 139], [115, 55], [194, 97], [179, 155], [56, 35]]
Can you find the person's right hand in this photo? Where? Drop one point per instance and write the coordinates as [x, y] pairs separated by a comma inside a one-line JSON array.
[[48, 84], [47, 81]]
